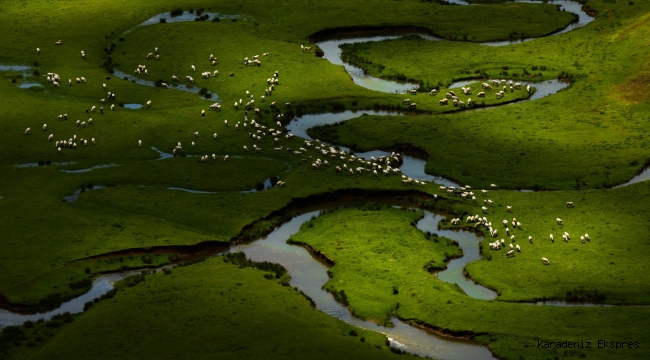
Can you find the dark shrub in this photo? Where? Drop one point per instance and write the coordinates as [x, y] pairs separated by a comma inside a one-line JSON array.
[[176, 12], [67, 317], [147, 259], [163, 20]]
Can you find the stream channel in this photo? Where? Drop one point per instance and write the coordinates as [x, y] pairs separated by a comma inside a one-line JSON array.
[[308, 273]]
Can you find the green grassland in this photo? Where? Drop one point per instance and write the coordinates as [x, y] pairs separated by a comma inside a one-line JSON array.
[[394, 257], [210, 309], [363, 250], [592, 135], [605, 264], [588, 136]]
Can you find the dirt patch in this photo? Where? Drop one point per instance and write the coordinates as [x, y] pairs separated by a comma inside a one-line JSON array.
[[635, 89]]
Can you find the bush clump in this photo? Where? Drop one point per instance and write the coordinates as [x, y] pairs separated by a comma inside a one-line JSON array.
[[240, 259]]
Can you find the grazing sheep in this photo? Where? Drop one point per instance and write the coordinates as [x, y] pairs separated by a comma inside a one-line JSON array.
[[509, 208], [559, 221], [38, 50], [139, 143], [214, 136], [569, 204], [93, 140], [225, 158], [149, 103], [545, 261], [510, 253], [551, 236], [27, 131]]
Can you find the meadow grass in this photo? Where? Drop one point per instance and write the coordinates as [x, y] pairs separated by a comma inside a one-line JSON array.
[[209, 309], [591, 135], [379, 250]]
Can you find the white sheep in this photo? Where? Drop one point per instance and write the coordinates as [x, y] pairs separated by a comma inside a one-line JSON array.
[[545, 261], [139, 143]]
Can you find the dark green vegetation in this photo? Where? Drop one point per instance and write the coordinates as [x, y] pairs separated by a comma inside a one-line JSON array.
[[224, 310], [591, 135], [395, 255]]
